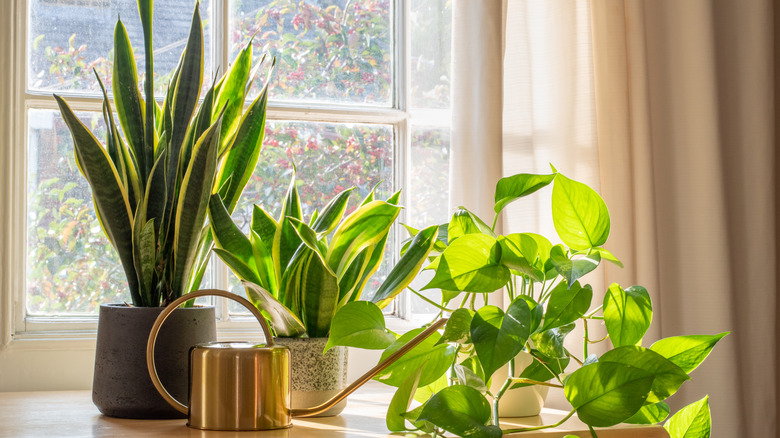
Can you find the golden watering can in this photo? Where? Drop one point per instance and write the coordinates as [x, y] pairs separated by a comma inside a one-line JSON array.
[[245, 386]]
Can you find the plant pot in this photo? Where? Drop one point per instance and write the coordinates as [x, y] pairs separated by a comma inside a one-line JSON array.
[[316, 377], [121, 384], [519, 402]]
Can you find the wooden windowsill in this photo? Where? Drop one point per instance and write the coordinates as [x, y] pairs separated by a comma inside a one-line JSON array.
[[72, 414]]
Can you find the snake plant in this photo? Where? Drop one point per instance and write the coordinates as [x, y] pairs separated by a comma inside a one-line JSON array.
[[152, 180], [299, 274]]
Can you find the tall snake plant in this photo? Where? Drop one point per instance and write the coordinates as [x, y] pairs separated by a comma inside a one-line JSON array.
[[152, 181]]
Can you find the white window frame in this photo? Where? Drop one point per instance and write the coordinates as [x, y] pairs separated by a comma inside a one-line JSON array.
[[29, 345]]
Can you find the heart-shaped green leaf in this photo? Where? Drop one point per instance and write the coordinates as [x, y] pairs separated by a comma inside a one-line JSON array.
[[436, 358], [400, 403], [525, 253], [550, 342], [360, 324], [542, 369], [465, 222], [687, 352], [573, 269], [499, 337], [460, 410], [607, 393], [650, 414], [514, 187], [458, 327], [567, 304], [692, 421], [579, 214], [627, 314], [470, 373], [470, 264], [668, 376]]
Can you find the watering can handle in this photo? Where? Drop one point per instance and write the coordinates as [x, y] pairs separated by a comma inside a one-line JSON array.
[[269, 340]]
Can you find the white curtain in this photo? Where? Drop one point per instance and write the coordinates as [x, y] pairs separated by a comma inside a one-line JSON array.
[[667, 108]]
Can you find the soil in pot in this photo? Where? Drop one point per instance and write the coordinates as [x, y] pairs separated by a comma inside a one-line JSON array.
[[316, 377], [121, 384]]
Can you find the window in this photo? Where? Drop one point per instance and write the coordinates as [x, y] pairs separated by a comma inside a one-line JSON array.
[[360, 97]]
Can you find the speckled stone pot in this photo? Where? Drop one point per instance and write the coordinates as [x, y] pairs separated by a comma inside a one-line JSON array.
[[121, 386], [316, 377]]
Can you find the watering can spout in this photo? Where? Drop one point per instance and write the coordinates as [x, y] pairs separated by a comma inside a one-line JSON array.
[[310, 412], [244, 386]]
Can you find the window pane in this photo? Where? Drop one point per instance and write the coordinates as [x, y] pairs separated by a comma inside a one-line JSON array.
[[71, 266], [430, 29], [329, 157], [326, 50], [68, 38], [428, 194]]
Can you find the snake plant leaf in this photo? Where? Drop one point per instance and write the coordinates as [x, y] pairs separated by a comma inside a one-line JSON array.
[[111, 203], [550, 342], [242, 157], [364, 227], [349, 280], [332, 213], [402, 399], [437, 358], [113, 143], [458, 328], [465, 222], [580, 216], [687, 352], [575, 268], [202, 257], [307, 235], [460, 410], [290, 287], [514, 187], [650, 414], [156, 195], [607, 393], [470, 264], [264, 225], [192, 204], [407, 267], [226, 234], [231, 95], [499, 336], [127, 97], [264, 263], [200, 122], [319, 296], [145, 11], [668, 376], [145, 255], [286, 240], [567, 304], [187, 88], [692, 421], [282, 320], [627, 314], [238, 266], [359, 324]]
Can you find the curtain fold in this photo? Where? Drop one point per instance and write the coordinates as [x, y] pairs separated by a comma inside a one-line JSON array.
[[685, 112]]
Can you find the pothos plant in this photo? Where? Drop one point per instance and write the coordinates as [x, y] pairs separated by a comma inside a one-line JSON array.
[[450, 374], [300, 273], [152, 180]]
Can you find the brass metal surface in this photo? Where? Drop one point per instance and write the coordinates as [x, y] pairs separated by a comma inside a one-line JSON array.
[[239, 386]]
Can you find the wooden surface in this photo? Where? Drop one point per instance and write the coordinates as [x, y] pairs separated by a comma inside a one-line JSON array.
[[72, 414]]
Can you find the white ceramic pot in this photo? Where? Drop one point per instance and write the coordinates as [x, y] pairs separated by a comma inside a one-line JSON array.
[[519, 402], [315, 377]]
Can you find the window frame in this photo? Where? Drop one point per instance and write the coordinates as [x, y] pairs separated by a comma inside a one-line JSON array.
[[78, 332]]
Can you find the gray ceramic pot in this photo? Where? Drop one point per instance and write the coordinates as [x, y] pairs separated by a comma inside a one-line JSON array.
[[121, 385], [316, 377]]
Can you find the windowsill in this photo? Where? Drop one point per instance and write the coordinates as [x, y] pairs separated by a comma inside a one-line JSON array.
[[71, 414]]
